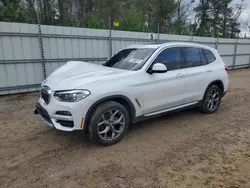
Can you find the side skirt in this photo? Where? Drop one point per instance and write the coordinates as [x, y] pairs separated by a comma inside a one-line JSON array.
[[167, 111]]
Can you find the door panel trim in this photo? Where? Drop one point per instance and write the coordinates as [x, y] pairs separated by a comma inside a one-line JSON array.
[[171, 109]]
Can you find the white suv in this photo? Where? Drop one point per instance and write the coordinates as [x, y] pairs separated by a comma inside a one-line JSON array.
[[139, 82]]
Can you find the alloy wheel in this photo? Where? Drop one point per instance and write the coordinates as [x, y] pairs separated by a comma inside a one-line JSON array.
[[213, 99], [111, 124]]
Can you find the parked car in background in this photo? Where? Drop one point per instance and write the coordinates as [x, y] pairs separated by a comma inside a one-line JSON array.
[[139, 82]]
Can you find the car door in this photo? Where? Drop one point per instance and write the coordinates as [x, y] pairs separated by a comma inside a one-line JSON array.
[[196, 73], [164, 90]]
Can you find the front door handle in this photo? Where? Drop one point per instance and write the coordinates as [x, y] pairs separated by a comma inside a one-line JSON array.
[[179, 75], [208, 70]]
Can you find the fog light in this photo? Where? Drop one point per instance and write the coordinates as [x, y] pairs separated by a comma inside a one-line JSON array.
[[69, 124]]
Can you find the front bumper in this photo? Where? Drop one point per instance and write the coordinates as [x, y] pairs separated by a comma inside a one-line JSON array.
[[43, 114], [73, 120]]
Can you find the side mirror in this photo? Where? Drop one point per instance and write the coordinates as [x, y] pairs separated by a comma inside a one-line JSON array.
[[158, 68]]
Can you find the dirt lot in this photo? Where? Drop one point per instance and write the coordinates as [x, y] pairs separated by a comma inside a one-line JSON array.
[[186, 149]]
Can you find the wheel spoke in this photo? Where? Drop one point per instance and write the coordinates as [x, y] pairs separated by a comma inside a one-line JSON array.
[[117, 131], [214, 91], [210, 104], [105, 136], [119, 121], [104, 120], [115, 112], [112, 117], [102, 117], [105, 130], [210, 93], [215, 95], [214, 104], [101, 123], [217, 99], [113, 135]]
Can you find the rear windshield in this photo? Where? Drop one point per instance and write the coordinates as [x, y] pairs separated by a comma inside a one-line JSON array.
[[130, 59]]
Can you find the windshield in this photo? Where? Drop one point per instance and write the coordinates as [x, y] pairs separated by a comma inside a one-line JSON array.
[[130, 59]]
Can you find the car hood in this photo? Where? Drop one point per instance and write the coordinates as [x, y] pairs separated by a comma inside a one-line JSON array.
[[75, 74]]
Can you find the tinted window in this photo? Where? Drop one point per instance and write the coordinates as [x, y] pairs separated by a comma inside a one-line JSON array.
[[209, 55], [191, 57], [170, 57], [203, 59], [130, 59]]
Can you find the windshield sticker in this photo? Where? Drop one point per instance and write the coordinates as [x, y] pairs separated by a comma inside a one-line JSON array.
[[137, 61]]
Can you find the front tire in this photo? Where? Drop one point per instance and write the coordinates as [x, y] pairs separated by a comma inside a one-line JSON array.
[[212, 99], [109, 123]]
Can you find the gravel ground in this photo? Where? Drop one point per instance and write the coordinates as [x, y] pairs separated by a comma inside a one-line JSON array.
[[186, 149]]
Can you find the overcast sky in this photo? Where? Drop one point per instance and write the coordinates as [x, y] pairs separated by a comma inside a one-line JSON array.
[[245, 17]]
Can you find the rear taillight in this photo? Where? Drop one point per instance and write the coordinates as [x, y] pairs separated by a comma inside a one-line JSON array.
[[226, 68]]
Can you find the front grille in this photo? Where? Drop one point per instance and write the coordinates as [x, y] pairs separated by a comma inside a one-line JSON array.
[[45, 94]]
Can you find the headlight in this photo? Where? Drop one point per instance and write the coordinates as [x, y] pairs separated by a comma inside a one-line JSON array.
[[71, 96]]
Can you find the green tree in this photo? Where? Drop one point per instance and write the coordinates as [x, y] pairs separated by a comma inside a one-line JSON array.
[[12, 11], [203, 18], [234, 24], [46, 10], [227, 13], [180, 23], [31, 11], [216, 17], [213, 17], [131, 20], [93, 21], [163, 11]]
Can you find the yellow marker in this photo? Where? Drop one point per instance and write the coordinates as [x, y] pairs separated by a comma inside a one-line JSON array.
[[219, 33], [82, 123], [116, 24]]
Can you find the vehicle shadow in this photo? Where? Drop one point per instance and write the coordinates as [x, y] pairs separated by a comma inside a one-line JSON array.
[[80, 139], [167, 119], [76, 138]]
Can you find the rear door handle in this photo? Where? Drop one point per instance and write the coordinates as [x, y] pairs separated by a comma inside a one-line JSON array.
[[179, 75]]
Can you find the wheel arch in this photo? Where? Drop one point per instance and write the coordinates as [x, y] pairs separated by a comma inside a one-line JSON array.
[[123, 100], [219, 83]]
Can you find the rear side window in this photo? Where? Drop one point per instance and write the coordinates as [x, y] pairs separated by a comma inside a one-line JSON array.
[[191, 57], [170, 57], [203, 58], [209, 56]]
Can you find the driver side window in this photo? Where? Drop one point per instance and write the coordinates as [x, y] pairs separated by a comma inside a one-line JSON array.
[[170, 57]]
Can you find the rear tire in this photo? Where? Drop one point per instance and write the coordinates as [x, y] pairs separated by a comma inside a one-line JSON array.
[[109, 123], [212, 99]]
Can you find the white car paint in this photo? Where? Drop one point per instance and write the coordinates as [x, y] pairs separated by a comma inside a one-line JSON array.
[[155, 93]]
